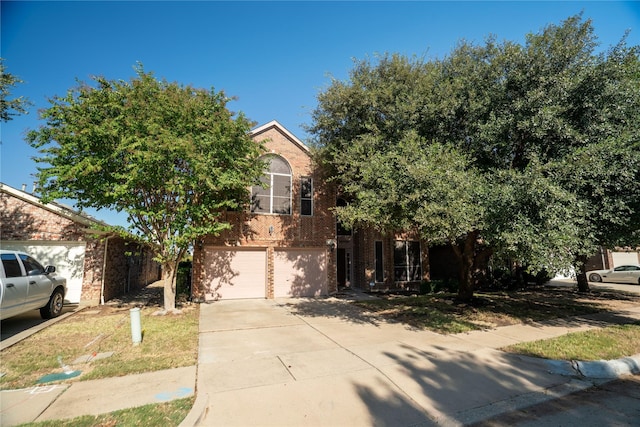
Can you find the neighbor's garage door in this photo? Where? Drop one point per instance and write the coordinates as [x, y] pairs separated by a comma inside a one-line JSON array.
[[66, 257], [300, 272], [233, 274], [624, 258]]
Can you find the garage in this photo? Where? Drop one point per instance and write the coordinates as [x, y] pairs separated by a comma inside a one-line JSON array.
[[300, 272], [624, 258], [235, 273], [67, 257]]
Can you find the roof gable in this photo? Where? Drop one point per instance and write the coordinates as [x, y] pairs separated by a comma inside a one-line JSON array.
[[275, 125], [54, 207]]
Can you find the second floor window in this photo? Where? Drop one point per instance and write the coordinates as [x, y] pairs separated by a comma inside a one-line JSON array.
[[274, 195], [306, 196]]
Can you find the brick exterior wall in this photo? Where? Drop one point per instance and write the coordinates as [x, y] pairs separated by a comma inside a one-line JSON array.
[[22, 220], [364, 260], [130, 267], [25, 220], [599, 261], [279, 231]]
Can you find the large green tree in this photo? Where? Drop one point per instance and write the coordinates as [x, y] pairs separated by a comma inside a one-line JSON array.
[[605, 177], [172, 157], [604, 171], [516, 114], [578, 112]]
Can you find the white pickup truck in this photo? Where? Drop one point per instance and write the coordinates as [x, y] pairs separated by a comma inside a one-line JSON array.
[[26, 285]]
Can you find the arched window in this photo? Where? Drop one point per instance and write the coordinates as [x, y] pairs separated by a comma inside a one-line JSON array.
[[274, 196]]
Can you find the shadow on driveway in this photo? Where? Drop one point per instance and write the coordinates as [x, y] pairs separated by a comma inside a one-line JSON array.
[[23, 325]]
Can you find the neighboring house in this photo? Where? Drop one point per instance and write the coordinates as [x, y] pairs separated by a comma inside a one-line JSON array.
[[606, 258], [98, 266], [288, 243]]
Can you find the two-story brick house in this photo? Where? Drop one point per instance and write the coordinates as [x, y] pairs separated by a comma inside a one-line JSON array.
[[289, 244], [285, 245]]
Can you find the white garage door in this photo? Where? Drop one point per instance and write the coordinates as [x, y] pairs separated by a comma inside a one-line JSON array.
[[624, 258], [233, 274], [300, 272], [67, 257]]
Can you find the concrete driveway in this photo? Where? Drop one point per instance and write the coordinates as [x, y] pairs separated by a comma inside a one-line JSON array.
[[17, 328], [322, 362], [624, 287]]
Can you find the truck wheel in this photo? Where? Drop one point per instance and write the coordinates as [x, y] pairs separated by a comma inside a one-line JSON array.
[[54, 306]]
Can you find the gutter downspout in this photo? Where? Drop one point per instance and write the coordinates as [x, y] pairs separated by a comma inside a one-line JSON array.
[[104, 268]]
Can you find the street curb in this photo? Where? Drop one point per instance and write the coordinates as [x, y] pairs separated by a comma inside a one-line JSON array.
[[598, 369], [494, 409], [197, 412], [200, 407]]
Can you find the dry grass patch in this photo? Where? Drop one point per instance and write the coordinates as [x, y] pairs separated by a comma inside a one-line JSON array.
[[169, 341], [443, 314]]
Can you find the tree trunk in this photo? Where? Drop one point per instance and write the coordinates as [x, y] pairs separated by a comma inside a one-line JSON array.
[[581, 275], [480, 265], [466, 255], [169, 272]]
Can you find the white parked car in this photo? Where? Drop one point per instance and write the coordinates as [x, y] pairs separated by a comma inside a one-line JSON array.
[[629, 273], [27, 285]]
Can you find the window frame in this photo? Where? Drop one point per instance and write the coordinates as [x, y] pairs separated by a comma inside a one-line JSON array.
[[412, 272], [308, 199], [31, 266], [378, 260], [269, 176], [11, 266]]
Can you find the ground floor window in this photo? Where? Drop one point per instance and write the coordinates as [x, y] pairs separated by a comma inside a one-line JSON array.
[[379, 262], [406, 261]]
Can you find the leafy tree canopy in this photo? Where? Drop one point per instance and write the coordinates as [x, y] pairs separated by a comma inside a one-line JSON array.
[[529, 151], [10, 107], [172, 157]]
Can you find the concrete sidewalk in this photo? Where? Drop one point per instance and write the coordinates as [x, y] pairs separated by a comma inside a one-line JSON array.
[[322, 362], [53, 402]]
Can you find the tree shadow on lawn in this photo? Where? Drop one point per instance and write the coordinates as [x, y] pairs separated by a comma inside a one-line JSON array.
[[441, 313]]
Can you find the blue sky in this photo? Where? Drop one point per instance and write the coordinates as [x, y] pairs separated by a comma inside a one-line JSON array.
[[273, 56]]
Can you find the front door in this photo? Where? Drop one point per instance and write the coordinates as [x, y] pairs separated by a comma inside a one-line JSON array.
[[344, 267]]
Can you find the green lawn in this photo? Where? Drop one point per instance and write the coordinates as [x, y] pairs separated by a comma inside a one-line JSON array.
[[608, 343], [162, 414]]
